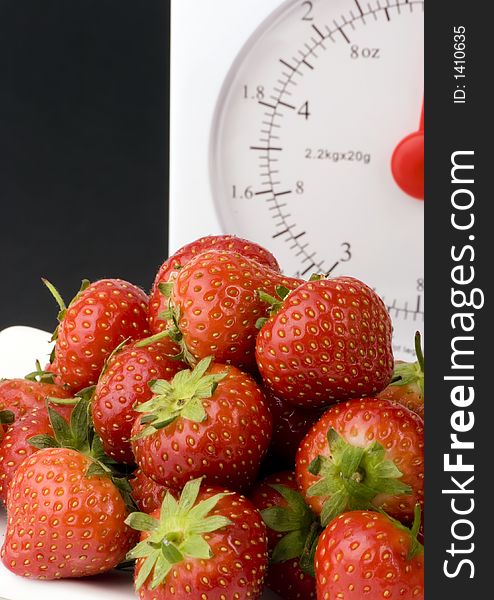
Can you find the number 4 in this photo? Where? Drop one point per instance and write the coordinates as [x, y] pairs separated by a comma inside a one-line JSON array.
[[304, 110]]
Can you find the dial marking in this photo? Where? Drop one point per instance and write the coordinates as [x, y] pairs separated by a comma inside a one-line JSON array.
[[282, 193], [280, 233], [283, 62], [267, 104], [308, 269], [343, 33], [267, 148], [318, 31], [308, 64], [333, 267], [263, 192], [386, 12], [359, 7], [419, 300], [285, 104]]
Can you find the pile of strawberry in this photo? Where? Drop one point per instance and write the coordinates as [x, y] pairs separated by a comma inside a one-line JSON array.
[[235, 430]]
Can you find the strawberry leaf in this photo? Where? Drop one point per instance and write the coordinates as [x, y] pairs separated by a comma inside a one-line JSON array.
[[177, 535], [161, 568], [290, 546], [7, 417], [43, 441], [309, 551], [181, 397], [145, 570], [352, 476], [198, 547], [40, 375]]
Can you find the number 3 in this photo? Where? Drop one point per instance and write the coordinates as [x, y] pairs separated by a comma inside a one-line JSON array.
[[348, 254]]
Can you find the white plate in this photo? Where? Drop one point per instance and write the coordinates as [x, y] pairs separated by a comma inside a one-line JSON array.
[[19, 348]]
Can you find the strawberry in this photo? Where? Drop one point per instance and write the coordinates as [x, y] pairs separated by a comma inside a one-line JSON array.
[[146, 493], [367, 555], [329, 340], [63, 521], [15, 446], [290, 524], [124, 384], [212, 421], [209, 544], [20, 396], [101, 316], [215, 304], [158, 303], [290, 425], [407, 387], [363, 454]]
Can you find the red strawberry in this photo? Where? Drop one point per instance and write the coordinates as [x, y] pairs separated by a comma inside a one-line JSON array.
[[212, 421], [146, 493], [367, 555], [290, 425], [124, 384], [15, 446], [63, 521], [363, 454], [215, 304], [101, 316], [408, 382], [158, 303], [22, 395], [210, 544], [329, 341], [284, 509]]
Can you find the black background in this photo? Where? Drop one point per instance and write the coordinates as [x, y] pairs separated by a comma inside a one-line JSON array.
[[449, 128], [84, 88]]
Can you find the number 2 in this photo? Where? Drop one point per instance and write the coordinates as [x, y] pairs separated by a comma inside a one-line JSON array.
[[307, 16]]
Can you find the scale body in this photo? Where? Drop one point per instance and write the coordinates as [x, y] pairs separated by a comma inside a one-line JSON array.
[[284, 116]]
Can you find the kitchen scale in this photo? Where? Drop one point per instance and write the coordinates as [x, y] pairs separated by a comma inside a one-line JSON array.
[[288, 122]]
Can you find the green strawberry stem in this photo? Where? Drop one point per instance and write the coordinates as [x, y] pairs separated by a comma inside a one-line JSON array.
[[172, 315], [295, 520], [78, 434], [274, 304], [418, 351], [62, 401], [177, 535], [406, 373], [415, 546], [351, 477], [165, 288], [61, 304], [152, 339], [180, 397], [40, 375], [308, 553], [58, 298]]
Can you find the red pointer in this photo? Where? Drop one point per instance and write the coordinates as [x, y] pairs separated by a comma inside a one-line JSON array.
[[407, 162]]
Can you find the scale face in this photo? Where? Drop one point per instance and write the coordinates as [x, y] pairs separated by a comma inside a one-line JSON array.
[[302, 139], [291, 145]]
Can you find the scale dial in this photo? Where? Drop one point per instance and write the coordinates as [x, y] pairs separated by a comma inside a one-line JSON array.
[[302, 140]]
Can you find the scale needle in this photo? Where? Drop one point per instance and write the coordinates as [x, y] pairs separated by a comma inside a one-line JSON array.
[[407, 162]]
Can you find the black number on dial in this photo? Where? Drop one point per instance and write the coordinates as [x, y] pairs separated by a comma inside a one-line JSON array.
[[308, 11]]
